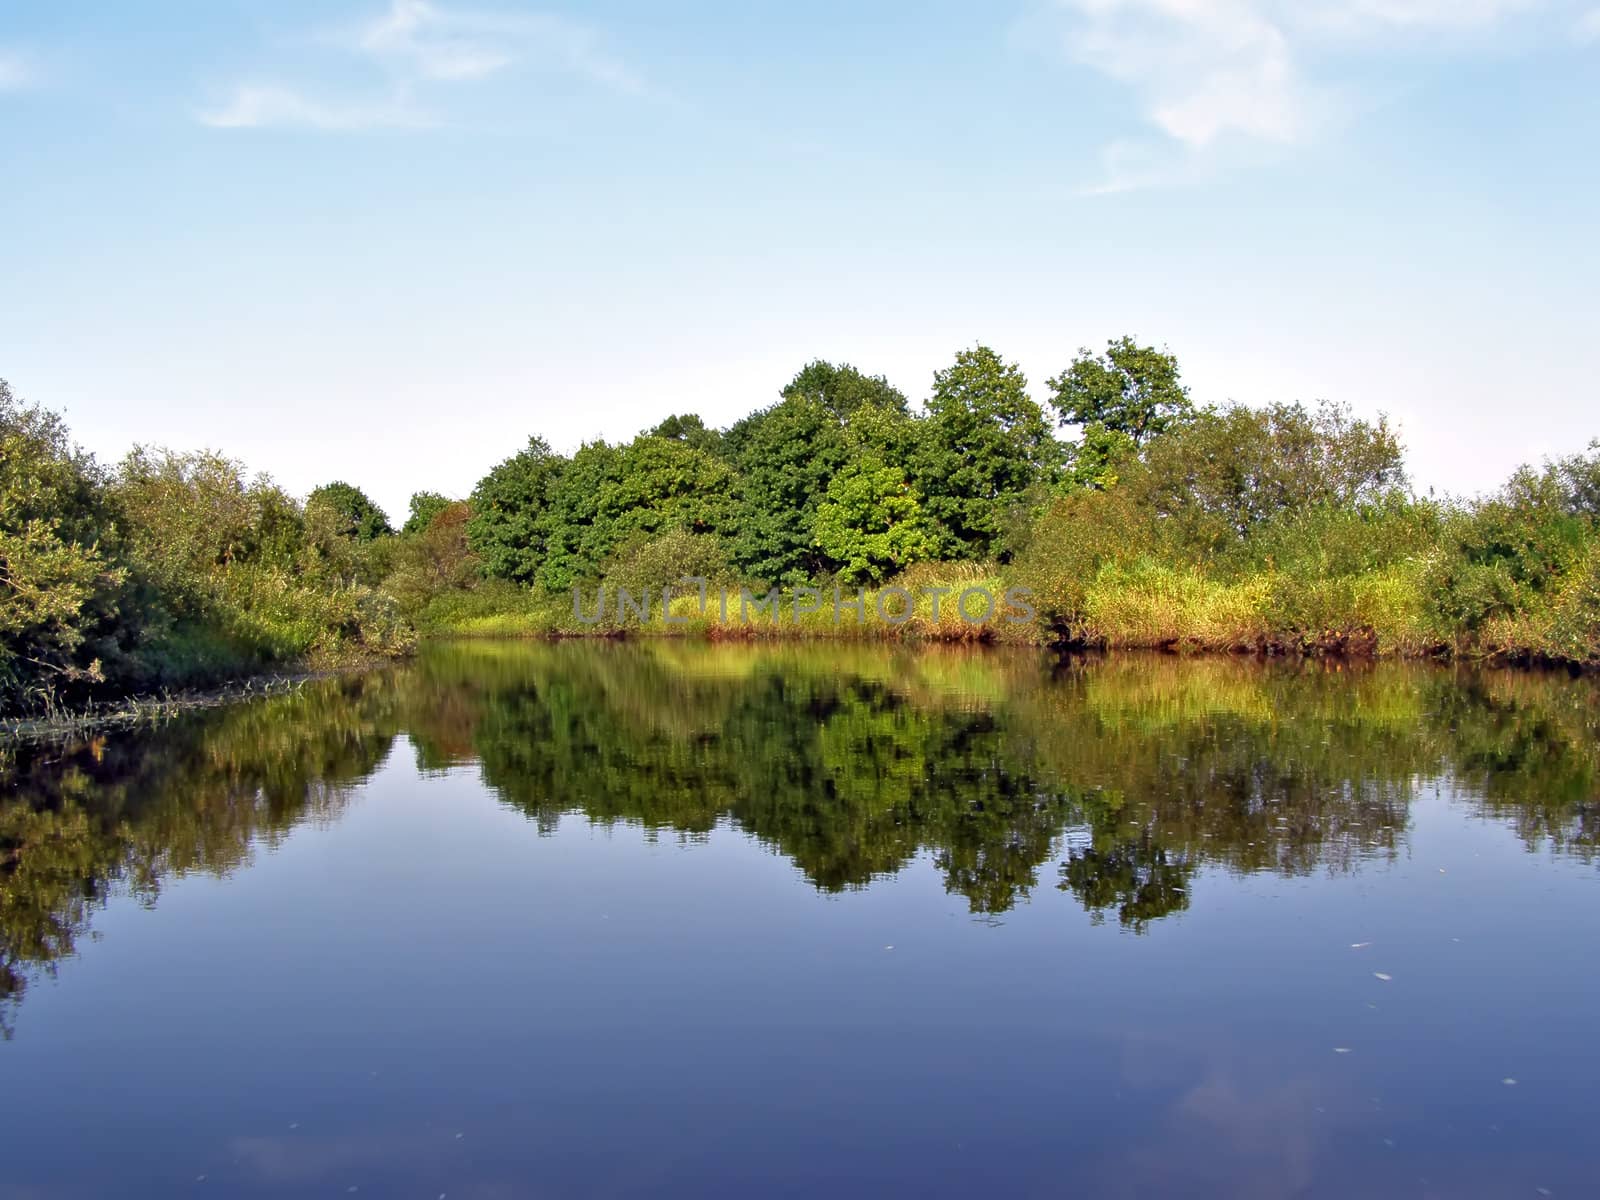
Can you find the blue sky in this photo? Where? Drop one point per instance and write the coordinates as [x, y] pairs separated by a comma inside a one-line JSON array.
[[387, 241]]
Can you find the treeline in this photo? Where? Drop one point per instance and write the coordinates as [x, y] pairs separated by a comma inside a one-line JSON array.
[[171, 570], [1138, 518]]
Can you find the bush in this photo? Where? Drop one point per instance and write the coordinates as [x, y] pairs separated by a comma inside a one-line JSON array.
[[60, 566], [650, 564]]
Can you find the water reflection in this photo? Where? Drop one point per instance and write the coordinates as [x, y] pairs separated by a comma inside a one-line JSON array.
[[1113, 780]]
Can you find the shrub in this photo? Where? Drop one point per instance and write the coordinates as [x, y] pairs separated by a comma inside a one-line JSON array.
[[652, 563]]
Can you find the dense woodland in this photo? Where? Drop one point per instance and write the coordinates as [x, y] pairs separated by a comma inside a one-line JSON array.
[[1137, 517]]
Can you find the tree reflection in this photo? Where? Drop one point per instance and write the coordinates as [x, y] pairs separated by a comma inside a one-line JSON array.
[[1122, 777]]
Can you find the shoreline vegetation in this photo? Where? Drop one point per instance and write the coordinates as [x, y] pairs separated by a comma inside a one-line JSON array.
[[1131, 517]]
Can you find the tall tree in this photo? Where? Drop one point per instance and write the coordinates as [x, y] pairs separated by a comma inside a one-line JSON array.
[[689, 429], [985, 444], [354, 514], [663, 485], [1119, 401], [787, 455], [508, 528], [842, 389], [1130, 389], [424, 506], [576, 537]]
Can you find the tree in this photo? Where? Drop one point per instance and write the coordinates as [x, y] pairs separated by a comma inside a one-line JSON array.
[[985, 445], [354, 513], [787, 455], [842, 389], [1119, 400], [1225, 474], [59, 583], [188, 515], [435, 559], [425, 506], [609, 495], [689, 429], [1131, 389], [576, 537], [508, 527], [872, 523], [662, 485]]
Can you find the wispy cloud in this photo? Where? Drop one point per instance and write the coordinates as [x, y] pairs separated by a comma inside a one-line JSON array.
[[421, 45], [1206, 72], [1588, 27], [16, 72], [447, 44], [254, 107]]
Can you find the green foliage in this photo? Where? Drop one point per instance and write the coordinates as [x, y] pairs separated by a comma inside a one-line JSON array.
[[190, 514], [59, 575], [662, 485], [424, 507], [648, 564], [508, 528], [175, 570], [984, 447], [787, 454], [872, 524], [577, 536], [1099, 457], [842, 389], [1226, 473], [689, 429], [353, 513], [1575, 624], [1508, 557], [1282, 528], [434, 560], [1132, 390]]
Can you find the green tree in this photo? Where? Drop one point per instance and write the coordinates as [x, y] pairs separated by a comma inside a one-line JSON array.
[[509, 527], [786, 456], [662, 485], [842, 389], [577, 536], [354, 513], [59, 583], [984, 448], [689, 429], [1131, 389], [871, 523], [1226, 474], [424, 507], [187, 515], [434, 560]]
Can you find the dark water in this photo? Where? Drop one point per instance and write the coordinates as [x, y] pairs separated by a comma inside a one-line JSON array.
[[606, 920]]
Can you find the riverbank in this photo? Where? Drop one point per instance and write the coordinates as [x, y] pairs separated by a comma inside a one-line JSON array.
[[1381, 615], [149, 710]]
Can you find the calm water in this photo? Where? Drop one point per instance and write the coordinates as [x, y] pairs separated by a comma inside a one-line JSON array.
[[666, 919]]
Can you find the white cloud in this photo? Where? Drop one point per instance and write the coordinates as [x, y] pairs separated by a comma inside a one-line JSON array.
[[448, 44], [1202, 69], [253, 107], [15, 71], [1253, 71], [420, 45], [1588, 27], [417, 34]]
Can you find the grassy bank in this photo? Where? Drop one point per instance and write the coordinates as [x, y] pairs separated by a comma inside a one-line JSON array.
[[1143, 606]]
